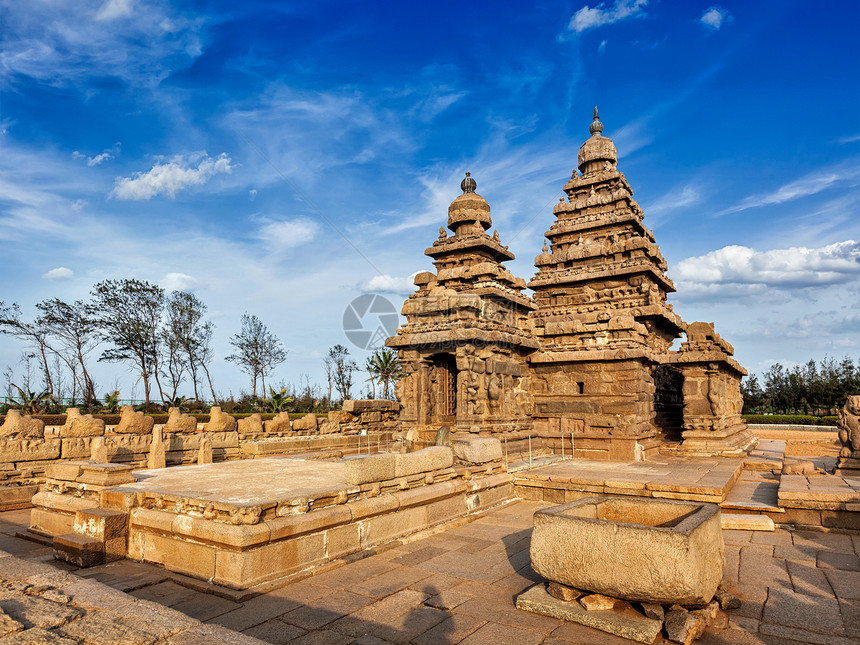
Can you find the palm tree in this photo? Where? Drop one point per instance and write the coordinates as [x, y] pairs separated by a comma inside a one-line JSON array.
[[384, 368]]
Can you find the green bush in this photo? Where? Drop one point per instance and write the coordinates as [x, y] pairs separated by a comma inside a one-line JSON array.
[[790, 419]]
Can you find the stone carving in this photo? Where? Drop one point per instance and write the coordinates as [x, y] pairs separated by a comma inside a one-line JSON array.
[[157, 450], [307, 422], [220, 421], [204, 453], [279, 425], [81, 425], [131, 422], [849, 434], [254, 424], [17, 426], [98, 451], [179, 422]]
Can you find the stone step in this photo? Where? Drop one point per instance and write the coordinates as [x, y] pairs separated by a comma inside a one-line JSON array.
[[753, 494], [746, 522], [767, 456]]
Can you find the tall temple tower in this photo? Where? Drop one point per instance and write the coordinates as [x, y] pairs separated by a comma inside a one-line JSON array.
[[466, 339], [590, 357]]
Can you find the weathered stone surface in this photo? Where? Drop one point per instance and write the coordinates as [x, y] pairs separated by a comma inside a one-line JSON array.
[[254, 424], [157, 457], [29, 449], [746, 522], [653, 610], [179, 422], [36, 636], [626, 622], [81, 425], [375, 468], [597, 602], [683, 626], [280, 424], [340, 416], [18, 426], [220, 422], [98, 450], [101, 524], [204, 454], [307, 422], [727, 601], [131, 422], [678, 547], [477, 450], [562, 592], [8, 625], [32, 611], [358, 406], [79, 550], [422, 461]]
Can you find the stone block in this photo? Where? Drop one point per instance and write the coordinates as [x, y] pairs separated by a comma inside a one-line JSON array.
[[76, 448], [12, 497], [220, 422], [101, 524], [625, 622], [342, 540], [182, 556], [384, 528], [81, 425], [281, 423], [254, 424], [673, 550], [233, 536], [375, 468], [365, 405], [17, 450], [180, 423], [115, 548], [131, 422], [423, 461], [477, 450], [682, 626], [18, 426], [307, 422], [204, 453], [79, 550], [340, 416], [67, 472], [243, 569], [319, 520], [106, 474]]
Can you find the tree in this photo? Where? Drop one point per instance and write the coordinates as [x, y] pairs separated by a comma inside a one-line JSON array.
[[33, 333], [258, 351], [187, 338], [342, 369], [384, 368], [128, 314], [76, 332]]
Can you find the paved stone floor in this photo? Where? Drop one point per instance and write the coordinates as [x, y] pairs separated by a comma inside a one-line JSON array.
[[458, 586]]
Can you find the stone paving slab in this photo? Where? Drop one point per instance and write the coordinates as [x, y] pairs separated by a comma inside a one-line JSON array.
[[459, 586]]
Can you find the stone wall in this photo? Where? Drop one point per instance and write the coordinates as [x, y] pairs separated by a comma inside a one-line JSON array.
[[25, 455]]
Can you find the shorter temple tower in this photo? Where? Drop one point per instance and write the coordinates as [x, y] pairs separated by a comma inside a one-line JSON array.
[[465, 344]]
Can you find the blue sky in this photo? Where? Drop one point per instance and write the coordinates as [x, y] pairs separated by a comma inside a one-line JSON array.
[[284, 158]]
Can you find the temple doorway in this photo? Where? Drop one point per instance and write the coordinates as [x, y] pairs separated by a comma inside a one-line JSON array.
[[445, 390]]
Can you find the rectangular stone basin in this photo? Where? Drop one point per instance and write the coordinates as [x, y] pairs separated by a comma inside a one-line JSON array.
[[648, 550]]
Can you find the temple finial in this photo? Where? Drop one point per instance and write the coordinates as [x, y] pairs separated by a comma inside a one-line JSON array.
[[596, 126], [468, 185]]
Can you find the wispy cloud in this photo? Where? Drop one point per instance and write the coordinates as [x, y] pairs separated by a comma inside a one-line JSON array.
[[664, 207], [65, 44], [179, 282], [172, 177], [714, 17], [279, 234], [815, 182], [95, 160], [592, 17]]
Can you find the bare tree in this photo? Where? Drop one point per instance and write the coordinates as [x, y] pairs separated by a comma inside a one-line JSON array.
[[12, 324], [343, 370], [128, 313], [76, 333], [258, 351]]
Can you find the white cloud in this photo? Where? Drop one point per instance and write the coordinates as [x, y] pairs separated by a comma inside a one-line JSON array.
[[285, 234], [113, 9], [747, 270], [178, 282], [592, 17], [171, 177], [810, 184], [95, 161], [602, 46], [714, 17], [252, 194], [60, 273], [663, 207], [390, 284]]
